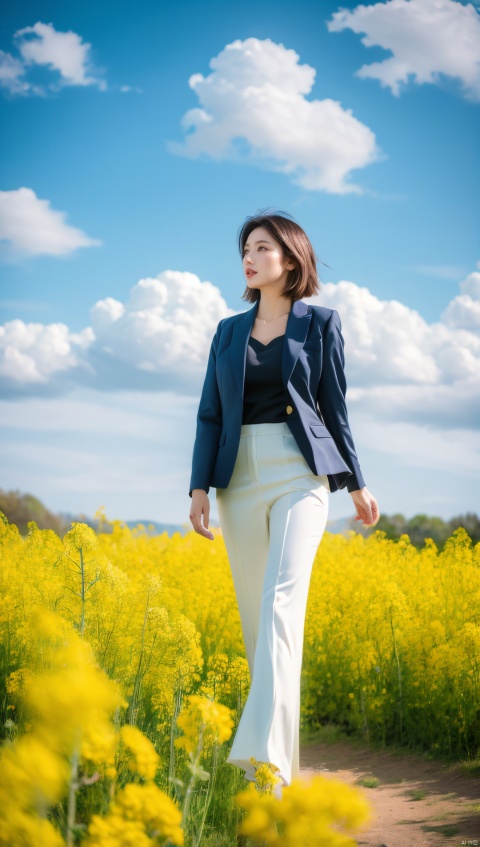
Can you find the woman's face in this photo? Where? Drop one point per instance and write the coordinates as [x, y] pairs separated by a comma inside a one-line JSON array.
[[265, 256]]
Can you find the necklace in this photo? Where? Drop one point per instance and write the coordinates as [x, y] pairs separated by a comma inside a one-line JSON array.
[[265, 321]]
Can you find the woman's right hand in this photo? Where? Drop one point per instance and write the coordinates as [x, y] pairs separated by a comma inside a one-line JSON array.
[[201, 506]]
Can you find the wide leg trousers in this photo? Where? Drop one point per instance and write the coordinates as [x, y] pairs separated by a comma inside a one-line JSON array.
[[273, 515]]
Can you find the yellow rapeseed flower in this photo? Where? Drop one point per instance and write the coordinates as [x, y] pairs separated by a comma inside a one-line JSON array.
[[142, 758], [73, 702], [202, 718], [80, 537], [32, 773], [139, 813], [266, 774], [22, 828], [32, 778], [306, 810], [99, 741]]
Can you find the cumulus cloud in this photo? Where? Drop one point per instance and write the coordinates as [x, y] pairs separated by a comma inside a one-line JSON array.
[[257, 93], [43, 45], [33, 354], [158, 340], [464, 310], [166, 326], [399, 368], [391, 344], [29, 226], [427, 39]]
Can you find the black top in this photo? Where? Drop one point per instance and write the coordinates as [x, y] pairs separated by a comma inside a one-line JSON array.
[[264, 399]]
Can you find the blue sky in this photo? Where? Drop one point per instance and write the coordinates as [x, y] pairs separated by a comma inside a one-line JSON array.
[[136, 141]]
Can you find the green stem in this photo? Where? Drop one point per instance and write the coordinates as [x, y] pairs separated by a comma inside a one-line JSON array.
[[399, 676], [188, 794], [176, 709], [82, 571], [72, 796], [138, 675], [211, 785]]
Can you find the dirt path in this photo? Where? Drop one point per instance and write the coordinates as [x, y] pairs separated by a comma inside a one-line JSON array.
[[447, 811]]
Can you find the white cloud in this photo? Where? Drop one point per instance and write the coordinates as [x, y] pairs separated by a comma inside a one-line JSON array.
[[11, 72], [464, 310], [166, 326], [29, 226], [257, 93], [391, 344], [158, 340], [62, 52], [427, 38], [34, 353], [399, 368]]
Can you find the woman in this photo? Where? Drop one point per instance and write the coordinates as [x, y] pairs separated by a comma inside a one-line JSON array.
[[273, 437]]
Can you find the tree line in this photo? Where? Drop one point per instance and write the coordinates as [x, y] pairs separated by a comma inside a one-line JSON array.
[[20, 508]]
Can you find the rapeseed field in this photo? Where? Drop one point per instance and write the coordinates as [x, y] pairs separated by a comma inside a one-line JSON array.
[[123, 676]]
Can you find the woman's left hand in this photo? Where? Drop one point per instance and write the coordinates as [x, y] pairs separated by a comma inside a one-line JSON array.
[[366, 506]]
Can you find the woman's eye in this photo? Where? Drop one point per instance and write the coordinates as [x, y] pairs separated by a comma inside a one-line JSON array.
[[262, 247]]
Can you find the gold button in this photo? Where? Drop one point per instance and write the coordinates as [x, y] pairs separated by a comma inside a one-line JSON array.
[[289, 410]]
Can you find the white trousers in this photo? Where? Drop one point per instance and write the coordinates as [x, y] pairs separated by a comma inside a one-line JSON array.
[[272, 515]]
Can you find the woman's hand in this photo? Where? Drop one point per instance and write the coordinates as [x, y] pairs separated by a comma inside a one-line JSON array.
[[366, 506], [200, 505]]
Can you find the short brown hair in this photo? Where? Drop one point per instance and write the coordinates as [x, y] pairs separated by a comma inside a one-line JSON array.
[[303, 280]]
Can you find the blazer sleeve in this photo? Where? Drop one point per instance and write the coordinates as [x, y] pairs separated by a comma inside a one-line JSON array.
[[331, 398], [209, 424]]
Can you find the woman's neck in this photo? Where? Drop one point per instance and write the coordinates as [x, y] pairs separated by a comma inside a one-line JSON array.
[[270, 309]]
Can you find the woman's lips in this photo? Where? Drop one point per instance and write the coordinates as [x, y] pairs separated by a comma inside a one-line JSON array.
[[251, 273]]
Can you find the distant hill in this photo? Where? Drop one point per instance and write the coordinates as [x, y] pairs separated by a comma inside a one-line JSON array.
[[20, 508], [157, 528]]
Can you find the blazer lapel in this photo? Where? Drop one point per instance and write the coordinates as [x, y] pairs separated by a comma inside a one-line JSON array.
[[296, 330]]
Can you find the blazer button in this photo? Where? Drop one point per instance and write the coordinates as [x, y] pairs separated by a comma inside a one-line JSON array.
[[289, 410]]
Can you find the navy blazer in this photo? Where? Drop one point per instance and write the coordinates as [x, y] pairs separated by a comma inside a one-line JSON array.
[[313, 375]]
